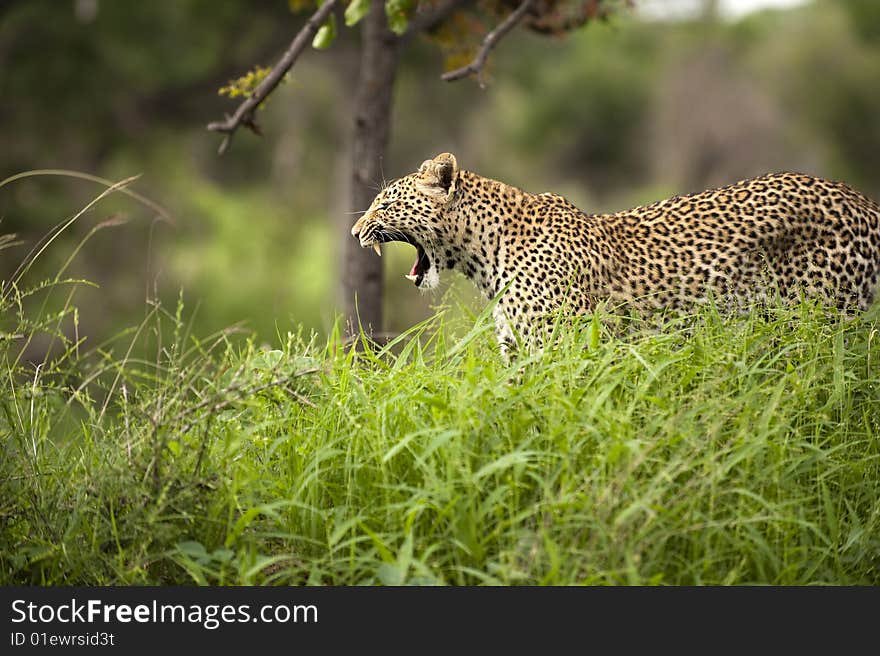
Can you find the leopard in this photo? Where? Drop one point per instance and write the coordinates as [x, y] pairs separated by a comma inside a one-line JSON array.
[[778, 237]]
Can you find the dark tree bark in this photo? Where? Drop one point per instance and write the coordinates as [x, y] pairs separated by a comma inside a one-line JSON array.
[[362, 281]]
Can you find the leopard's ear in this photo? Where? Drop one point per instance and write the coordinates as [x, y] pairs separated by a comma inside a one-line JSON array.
[[438, 177]]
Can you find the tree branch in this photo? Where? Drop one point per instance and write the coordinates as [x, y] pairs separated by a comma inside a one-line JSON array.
[[491, 40], [244, 115], [556, 22]]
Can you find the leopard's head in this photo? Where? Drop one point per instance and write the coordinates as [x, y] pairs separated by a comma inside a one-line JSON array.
[[412, 209]]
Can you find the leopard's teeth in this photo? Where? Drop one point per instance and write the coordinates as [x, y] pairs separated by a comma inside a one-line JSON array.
[[410, 277], [377, 248]]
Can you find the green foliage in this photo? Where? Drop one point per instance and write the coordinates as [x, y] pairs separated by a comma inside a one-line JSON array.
[[355, 11], [865, 15], [589, 114], [246, 84], [326, 34], [398, 13], [147, 48], [699, 451], [836, 96]]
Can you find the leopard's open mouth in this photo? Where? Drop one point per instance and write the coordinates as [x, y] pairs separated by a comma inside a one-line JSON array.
[[419, 268]]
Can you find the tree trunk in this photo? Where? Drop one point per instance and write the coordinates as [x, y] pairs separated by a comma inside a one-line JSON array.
[[362, 280]]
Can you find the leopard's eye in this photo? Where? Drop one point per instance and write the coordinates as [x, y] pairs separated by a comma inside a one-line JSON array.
[[385, 205]]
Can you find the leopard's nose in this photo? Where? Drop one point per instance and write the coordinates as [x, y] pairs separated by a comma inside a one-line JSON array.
[[359, 224]]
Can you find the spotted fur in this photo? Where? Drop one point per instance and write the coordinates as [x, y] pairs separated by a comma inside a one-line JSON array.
[[776, 236]]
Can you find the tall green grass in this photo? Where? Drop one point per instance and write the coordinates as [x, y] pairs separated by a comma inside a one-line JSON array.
[[708, 452], [705, 450]]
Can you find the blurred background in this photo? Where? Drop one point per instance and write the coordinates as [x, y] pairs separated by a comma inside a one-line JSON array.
[[670, 96]]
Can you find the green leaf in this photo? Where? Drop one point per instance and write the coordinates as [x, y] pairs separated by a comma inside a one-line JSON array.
[[505, 461], [325, 36], [268, 359], [404, 6], [222, 555], [355, 11], [384, 553], [193, 549], [397, 12], [390, 574], [398, 22]]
